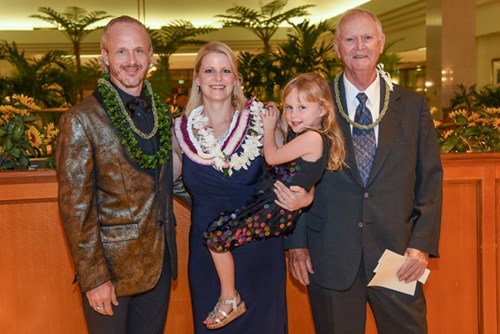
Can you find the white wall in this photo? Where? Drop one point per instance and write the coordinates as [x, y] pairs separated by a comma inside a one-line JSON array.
[[488, 40], [488, 48]]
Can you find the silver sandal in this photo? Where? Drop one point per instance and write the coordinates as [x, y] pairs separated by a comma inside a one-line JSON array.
[[237, 309]]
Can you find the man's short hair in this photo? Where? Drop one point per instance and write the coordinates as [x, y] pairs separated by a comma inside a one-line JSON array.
[[120, 19]]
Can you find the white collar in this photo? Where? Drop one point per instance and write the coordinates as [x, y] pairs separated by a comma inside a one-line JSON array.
[[372, 92]]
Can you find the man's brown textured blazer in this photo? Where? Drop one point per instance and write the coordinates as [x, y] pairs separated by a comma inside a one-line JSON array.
[[109, 207]]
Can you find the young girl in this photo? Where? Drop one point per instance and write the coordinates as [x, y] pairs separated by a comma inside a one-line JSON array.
[[315, 144]]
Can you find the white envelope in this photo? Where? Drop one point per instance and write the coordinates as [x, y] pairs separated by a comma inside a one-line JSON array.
[[385, 274]]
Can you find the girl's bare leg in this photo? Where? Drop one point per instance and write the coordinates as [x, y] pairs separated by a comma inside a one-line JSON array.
[[224, 265]]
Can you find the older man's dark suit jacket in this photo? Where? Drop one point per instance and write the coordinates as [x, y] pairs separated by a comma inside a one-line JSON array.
[[108, 205], [400, 206]]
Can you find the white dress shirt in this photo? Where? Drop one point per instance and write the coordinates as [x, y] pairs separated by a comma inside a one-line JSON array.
[[373, 102]]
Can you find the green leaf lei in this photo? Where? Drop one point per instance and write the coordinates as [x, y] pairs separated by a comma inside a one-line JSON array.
[[346, 116], [125, 127]]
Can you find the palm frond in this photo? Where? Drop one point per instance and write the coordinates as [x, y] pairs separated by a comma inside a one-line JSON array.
[[273, 7], [265, 22], [74, 21], [178, 33]]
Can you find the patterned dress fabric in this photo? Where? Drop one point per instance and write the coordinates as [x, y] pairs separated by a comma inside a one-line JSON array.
[[261, 217]]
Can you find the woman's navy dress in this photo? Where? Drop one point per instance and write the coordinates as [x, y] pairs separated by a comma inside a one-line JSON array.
[[259, 267]]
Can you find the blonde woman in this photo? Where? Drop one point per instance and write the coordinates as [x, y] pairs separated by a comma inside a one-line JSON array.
[[217, 148]]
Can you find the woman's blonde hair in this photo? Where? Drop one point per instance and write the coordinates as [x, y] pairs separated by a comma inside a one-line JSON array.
[[195, 98], [311, 87]]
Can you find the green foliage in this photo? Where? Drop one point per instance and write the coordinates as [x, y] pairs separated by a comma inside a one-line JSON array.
[[474, 123], [51, 80], [22, 133], [166, 41], [489, 96], [258, 73], [91, 72], [262, 75], [75, 23], [465, 97], [263, 23], [309, 48], [470, 98], [390, 60], [42, 78], [171, 37]]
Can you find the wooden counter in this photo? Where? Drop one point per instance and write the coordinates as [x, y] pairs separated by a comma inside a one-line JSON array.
[[36, 273]]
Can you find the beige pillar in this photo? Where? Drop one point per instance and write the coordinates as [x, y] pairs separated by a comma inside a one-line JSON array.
[[451, 48]]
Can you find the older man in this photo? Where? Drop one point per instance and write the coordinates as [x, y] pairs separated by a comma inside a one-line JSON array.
[[115, 190], [389, 196]]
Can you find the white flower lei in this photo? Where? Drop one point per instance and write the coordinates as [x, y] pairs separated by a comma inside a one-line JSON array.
[[209, 150], [205, 143]]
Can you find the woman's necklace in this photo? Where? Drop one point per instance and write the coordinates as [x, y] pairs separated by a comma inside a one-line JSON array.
[[388, 90], [205, 149], [125, 127]]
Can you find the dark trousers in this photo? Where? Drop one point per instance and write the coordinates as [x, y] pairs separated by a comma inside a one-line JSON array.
[[344, 312], [144, 313]]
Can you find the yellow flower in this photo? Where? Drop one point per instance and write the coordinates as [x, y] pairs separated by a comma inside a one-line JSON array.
[[26, 101], [50, 127], [8, 110], [51, 132], [174, 109], [474, 117], [485, 121], [34, 137], [434, 110], [456, 113], [437, 123], [493, 111], [447, 134], [496, 123]]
